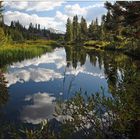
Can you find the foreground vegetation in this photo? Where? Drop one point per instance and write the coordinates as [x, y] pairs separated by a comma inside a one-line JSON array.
[[93, 116]]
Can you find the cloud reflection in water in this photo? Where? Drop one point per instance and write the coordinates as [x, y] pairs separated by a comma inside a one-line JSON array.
[[43, 75], [32, 70], [42, 108], [36, 75]]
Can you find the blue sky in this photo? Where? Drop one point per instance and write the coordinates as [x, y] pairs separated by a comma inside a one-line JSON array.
[[51, 13]]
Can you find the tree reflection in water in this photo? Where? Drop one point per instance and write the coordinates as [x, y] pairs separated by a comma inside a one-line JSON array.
[[3, 90], [3, 100]]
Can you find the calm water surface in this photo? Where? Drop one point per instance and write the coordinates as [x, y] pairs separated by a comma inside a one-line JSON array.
[[35, 84]]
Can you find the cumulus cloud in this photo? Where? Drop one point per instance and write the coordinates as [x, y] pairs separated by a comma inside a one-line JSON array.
[[75, 9], [42, 108], [61, 17], [89, 12], [16, 5], [25, 19], [34, 6]]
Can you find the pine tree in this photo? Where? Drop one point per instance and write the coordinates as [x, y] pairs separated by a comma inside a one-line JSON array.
[[91, 30], [84, 29], [12, 24], [79, 32], [30, 27], [36, 26], [69, 32], [96, 30], [102, 29], [39, 27], [75, 28], [125, 14]]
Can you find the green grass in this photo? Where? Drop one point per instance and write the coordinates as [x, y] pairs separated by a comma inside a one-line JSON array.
[[42, 43], [92, 44], [13, 52], [106, 45], [31, 47]]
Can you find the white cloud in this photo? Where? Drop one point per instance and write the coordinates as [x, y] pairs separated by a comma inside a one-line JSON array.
[[42, 108], [89, 12], [59, 20], [25, 19], [43, 6], [75, 9], [61, 17], [17, 5], [34, 6]]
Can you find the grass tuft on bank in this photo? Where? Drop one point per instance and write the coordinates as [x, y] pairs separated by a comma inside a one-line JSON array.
[[92, 44], [124, 45], [13, 52]]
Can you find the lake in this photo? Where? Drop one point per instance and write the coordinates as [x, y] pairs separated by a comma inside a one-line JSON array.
[[35, 84]]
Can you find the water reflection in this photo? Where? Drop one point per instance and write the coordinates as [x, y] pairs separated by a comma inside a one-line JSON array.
[[41, 108], [31, 82], [57, 58], [3, 90], [75, 55], [36, 75]]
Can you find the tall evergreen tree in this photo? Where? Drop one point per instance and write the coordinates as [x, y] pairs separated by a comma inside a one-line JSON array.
[[12, 24], [91, 30], [79, 32], [75, 28], [69, 31], [39, 27], [84, 29], [30, 27]]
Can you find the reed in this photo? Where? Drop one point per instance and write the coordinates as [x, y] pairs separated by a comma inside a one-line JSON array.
[[13, 52]]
